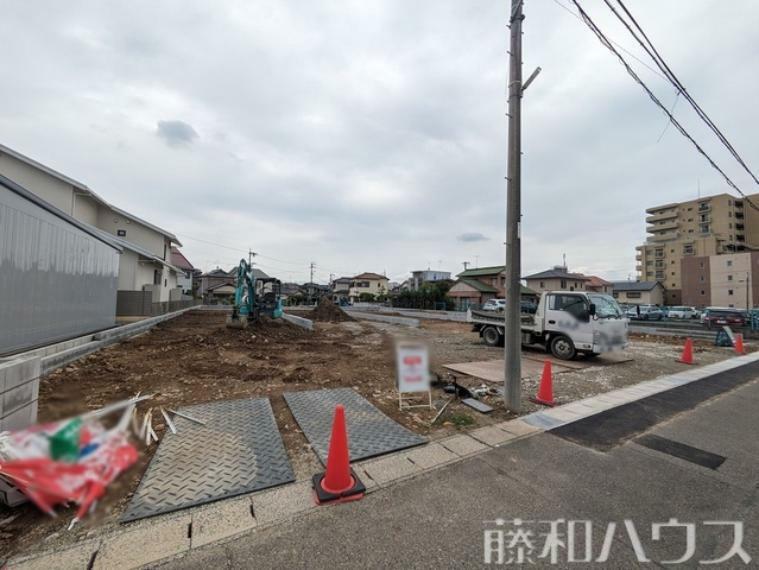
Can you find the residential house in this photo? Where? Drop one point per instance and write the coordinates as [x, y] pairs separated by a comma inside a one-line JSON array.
[[367, 283], [598, 285], [558, 278], [476, 286], [418, 278], [145, 267], [216, 284], [184, 280], [639, 292], [341, 290]]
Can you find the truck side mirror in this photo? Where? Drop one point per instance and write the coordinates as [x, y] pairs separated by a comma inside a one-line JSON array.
[[592, 309]]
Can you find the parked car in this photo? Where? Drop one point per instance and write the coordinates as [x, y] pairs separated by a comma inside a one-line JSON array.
[[528, 307], [720, 317], [644, 313], [494, 305], [682, 313]]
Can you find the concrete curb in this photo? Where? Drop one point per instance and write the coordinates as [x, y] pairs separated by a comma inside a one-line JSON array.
[[452, 316], [414, 323], [299, 321]]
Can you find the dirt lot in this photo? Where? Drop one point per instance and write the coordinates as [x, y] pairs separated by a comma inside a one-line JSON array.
[[195, 358]]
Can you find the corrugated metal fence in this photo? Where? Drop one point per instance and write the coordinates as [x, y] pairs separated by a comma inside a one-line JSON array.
[[56, 279]]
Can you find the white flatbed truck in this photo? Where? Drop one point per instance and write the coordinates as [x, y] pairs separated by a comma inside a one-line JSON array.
[[566, 323]]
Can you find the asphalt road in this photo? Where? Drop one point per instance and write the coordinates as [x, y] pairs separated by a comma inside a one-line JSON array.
[[438, 520]]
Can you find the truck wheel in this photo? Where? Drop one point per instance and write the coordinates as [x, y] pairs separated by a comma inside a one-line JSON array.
[[491, 336], [563, 348]]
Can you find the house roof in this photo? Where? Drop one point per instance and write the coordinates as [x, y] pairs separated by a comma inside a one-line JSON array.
[[370, 275], [84, 189], [482, 271], [478, 285], [218, 272], [557, 273], [596, 281], [178, 259], [485, 288], [220, 285], [634, 285], [47, 206]]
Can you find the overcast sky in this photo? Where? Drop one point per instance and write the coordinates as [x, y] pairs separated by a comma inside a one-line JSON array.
[[371, 135]]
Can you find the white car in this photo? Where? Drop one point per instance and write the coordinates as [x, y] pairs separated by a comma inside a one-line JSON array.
[[494, 305], [682, 313]]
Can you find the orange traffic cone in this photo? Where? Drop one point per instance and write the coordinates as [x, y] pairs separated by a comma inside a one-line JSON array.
[[687, 357], [545, 391], [339, 484], [739, 344]]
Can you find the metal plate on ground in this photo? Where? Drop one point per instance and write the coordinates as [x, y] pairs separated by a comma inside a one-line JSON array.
[[370, 432], [239, 450], [481, 407]]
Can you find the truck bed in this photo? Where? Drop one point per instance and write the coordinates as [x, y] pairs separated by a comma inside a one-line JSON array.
[[497, 317]]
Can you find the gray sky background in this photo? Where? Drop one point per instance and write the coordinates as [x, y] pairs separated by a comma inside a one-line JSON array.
[[371, 135]]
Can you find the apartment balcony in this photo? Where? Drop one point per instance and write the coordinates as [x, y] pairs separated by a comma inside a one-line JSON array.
[[704, 207], [639, 257], [657, 209], [639, 268], [663, 227], [657, 238], [661, 216], [738, 215]]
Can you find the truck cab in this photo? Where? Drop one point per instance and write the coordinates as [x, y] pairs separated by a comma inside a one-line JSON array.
[[566, 323]]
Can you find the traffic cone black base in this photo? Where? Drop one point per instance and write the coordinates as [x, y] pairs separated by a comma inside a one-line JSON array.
[[323, 497]]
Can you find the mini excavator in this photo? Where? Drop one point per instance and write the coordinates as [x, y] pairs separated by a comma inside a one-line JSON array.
[[254, 297]]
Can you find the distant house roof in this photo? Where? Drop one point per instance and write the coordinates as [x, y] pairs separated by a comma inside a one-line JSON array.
[[478, 285], [557, 273], [595, 281], [370, 275], [485, 288], [482, 271], [635, 285], [218, 272], [220, 285], [178, 259]]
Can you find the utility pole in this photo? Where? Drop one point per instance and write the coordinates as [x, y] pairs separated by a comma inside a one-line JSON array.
[[512, 346], [311, 283], [251, 255]]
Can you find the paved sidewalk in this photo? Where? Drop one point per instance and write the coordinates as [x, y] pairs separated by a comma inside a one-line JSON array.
[[437, 520]]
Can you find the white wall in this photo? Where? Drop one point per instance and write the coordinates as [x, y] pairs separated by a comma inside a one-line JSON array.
[[149, 239], [51, 189]]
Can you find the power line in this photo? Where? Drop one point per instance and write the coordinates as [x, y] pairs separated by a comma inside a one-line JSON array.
[[631, 54], [653, 53], [607, 44]]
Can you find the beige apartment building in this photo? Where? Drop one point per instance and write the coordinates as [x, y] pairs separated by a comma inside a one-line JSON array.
[[708, 226], [728, 280]]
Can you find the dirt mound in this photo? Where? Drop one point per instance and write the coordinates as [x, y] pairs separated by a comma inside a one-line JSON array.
[[326, 311]]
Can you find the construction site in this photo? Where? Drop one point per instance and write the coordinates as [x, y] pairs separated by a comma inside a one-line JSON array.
[[203, 358]]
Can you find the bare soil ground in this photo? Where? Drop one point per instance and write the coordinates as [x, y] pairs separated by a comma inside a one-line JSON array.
[[195, 358]]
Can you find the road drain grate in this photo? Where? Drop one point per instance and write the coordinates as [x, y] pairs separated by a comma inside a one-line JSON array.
[[681, 451]]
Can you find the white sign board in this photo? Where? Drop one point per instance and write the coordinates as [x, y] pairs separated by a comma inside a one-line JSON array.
[[413, 367]]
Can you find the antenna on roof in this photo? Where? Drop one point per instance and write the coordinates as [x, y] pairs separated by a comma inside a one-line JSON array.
[[466, 265], [564, 261]]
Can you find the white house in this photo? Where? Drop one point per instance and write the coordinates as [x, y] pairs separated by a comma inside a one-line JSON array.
[[145, 263]]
